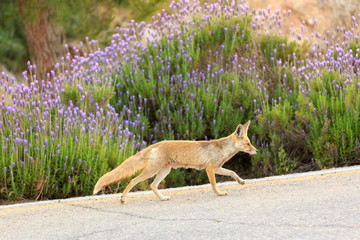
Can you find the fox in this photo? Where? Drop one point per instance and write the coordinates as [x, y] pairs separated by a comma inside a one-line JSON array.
[[159, 158]]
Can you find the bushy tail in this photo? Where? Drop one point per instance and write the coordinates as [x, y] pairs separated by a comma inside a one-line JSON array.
[[126, 169]]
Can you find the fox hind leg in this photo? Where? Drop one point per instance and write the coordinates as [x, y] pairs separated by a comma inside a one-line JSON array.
[[159, 177], [211, 174], [145, 174]]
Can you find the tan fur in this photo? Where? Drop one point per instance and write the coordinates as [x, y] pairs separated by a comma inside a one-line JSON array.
[[159, 158]]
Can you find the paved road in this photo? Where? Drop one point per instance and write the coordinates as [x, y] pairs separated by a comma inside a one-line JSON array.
[[317, 205]]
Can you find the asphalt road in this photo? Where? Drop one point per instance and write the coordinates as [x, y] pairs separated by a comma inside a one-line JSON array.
[[316, 205]]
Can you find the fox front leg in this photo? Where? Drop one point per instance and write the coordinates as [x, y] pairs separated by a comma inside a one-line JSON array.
[[227, 172], [211, 174]]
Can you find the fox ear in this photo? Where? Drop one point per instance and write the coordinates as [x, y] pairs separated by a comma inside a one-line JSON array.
[[239, 130], [246, 126]]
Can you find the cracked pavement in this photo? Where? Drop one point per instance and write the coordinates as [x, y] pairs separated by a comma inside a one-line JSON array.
[[323, 205]]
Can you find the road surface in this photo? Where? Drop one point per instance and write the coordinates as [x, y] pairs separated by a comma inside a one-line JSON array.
[[315, 205]]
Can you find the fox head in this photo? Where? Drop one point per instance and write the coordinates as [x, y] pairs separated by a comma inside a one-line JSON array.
[[242, 142]]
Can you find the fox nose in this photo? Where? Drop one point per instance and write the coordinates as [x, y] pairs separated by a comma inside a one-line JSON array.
[[255, 150]]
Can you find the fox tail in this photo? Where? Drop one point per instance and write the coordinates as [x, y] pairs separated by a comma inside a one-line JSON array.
[[126, 169]]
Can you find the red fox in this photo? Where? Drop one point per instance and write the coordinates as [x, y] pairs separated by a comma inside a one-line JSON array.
[[160, 157]]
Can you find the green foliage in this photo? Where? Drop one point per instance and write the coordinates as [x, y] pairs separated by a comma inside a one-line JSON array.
[[13, 50], [277, 48], [141, 10], [76, 18], [321, 123], [85, 18], [99, 94], [283, 164], [61, 150]]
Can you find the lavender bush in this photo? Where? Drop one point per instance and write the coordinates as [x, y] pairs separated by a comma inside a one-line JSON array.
[[194, 73]]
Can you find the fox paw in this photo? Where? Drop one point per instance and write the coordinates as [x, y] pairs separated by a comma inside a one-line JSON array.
[[122, 201], [165, 198], [240, 181], [222, 193]]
